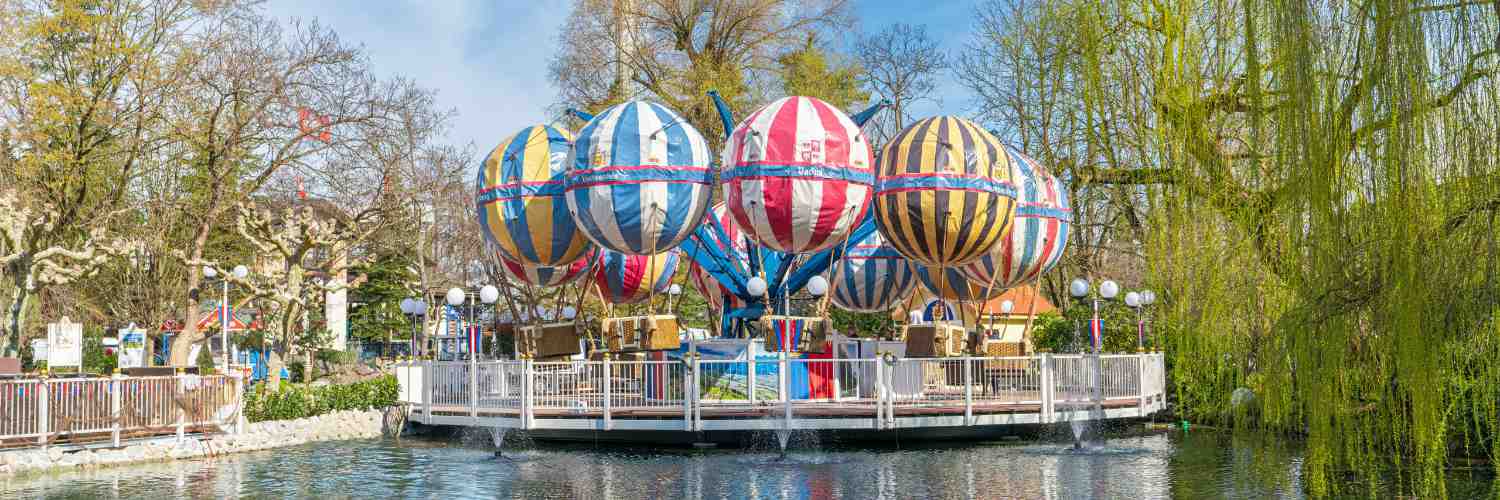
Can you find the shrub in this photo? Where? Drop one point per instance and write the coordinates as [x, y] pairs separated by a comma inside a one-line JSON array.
[[295, 401], [205, 360]]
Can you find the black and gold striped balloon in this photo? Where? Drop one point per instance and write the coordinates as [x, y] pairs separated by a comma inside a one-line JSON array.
[[945, 192]]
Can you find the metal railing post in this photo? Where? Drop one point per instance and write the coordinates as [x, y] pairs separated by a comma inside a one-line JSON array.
[[1047, 388], [1140, 382], [474, 390], [879, 392], [968, 390], [837, 385], [751, 378], [890, 390], [42, 419], [177, 383], [528, 391], [115, 387], [609, 380], [691, 383], [697, 394], [429, 377]]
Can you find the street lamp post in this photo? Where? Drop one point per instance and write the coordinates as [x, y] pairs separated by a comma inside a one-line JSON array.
[[488, 295], [1148, 298], [239, 272], [1107, 291], [413, 309], [1133, 300]]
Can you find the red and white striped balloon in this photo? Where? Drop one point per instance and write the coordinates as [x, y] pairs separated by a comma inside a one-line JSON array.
[[798, 175], [547, 276], [704, 282]]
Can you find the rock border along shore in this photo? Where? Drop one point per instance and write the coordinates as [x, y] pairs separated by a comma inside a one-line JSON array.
[[256, 436]]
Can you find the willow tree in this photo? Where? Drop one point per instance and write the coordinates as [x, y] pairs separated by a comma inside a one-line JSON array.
[[1316, 187]]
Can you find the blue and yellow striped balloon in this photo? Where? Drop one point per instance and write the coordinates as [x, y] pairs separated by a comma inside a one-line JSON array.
[[520, 199]]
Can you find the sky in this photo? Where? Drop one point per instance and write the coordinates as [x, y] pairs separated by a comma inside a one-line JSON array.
[[487, 60]]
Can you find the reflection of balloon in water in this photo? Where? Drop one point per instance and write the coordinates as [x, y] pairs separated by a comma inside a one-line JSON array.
[[639, 181], [953, 284], [520, 199], [797, 175], [705, 283], [545, 276], [627, 279], [872, 276], [945, 193], [1040, 233]]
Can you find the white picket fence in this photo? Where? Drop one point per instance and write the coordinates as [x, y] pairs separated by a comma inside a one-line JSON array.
[[676, 394], [43, 411]]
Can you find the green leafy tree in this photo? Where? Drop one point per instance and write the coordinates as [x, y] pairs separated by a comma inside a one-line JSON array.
[[376, 313], [811, 71]]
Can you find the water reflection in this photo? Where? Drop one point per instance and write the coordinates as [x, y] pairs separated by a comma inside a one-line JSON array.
[[1199, 465]]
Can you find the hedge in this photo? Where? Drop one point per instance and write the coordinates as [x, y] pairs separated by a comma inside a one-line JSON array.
[[295, 401]]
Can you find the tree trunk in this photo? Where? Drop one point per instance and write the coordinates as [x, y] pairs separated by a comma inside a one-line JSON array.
[[189, 334], [274, 364], [10, 344]]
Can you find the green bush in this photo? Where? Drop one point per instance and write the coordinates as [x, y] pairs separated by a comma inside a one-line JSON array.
[[336, 357], [295, 401], [296, 369], [205, 360]]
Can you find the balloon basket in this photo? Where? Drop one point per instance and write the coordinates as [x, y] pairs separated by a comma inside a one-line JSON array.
[[935, 340], [552, 340], [800, 333], [642, 333]]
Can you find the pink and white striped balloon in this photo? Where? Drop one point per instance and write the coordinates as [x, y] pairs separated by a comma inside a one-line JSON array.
[[798, 175]]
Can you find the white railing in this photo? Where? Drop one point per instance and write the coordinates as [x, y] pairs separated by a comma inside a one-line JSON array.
[[689, 392], [42, 411]]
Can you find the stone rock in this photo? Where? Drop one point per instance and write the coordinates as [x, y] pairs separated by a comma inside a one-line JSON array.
[[54, 454]]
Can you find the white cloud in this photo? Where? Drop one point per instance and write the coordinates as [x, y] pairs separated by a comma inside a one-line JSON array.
[[486, 61]]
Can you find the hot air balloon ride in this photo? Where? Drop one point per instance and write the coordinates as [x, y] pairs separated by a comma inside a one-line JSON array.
[[548, 336], [525, 218], [623, 279], [798, 175], [945, 196]]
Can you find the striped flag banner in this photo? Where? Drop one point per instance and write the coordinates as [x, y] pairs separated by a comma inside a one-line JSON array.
[[1096, 332]]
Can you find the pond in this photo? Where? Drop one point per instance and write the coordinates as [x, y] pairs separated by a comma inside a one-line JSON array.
[[1196, 464]]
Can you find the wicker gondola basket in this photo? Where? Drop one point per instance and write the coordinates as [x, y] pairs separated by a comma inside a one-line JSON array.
[[935, 340], [549, 341], [642, 333], [808, 334]]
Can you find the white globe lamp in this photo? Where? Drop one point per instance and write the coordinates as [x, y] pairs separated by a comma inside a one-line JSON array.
[[1109, 289], [817, 286]]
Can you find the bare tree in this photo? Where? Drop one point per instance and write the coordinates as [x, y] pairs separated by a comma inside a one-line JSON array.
[[264, 102], [676, 50], [901, 65]]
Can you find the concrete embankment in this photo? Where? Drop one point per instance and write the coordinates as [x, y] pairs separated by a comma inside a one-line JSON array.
[[256, 436]]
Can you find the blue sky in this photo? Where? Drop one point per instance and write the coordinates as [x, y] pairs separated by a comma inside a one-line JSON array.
[[488, 60]]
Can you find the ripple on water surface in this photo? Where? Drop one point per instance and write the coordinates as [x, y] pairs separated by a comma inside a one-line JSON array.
[[1202, 465]]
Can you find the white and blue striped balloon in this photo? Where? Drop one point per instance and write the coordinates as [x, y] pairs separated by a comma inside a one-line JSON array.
[[872, 276], [639, 179]]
